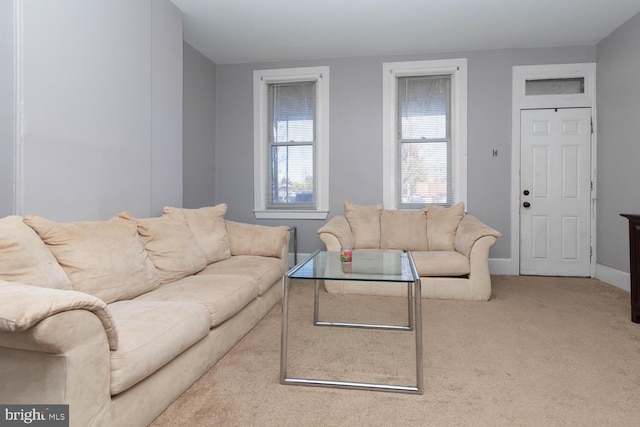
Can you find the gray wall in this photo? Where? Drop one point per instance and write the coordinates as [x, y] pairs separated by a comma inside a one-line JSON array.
[[101, 108], [199, 120], [7, 112], [618, 83], [356, 134], [166, 105]]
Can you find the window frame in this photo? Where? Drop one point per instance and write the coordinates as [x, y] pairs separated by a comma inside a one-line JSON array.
[[261, 80], [457, 68]]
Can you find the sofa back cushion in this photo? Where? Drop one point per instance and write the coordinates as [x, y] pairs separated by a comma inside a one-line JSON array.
[[365, 224], [442, 224], [405, 230], [256, 239], [102, 258], [25, 258], [171, 246], [208, 228]]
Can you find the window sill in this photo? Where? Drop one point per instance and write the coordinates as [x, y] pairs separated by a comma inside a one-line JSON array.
[[290, 214]]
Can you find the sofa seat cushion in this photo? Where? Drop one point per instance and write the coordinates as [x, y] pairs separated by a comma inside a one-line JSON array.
[[222, 296], [259, 270], [150, 335], [441, 263]]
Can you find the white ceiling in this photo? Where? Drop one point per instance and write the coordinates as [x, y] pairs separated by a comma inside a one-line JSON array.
[[241, 31]]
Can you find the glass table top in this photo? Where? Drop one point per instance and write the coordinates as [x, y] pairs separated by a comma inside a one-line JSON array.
[[366, 265]]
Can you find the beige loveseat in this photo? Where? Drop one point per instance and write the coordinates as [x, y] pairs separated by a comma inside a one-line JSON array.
[[449, 247], [117, 318]]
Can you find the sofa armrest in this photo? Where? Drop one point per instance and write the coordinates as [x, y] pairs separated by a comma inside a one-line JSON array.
[[336, 233], [259, 240], [469, 231], [55, 354], [25, 306], [63, 359]]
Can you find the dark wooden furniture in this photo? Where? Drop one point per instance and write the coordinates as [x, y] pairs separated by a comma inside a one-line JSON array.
[[634, 265]]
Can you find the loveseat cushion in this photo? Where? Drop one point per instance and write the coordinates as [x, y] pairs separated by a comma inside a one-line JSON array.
[[102, 258], [365, 224], [441, 263], [171, 246], [259, 270], [25, 258], [442, 224], [150, 335], [223, 296], [406, 230], [208, 228]]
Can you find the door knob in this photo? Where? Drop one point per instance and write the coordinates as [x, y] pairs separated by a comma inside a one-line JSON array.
[[526, 204], [525, 192]]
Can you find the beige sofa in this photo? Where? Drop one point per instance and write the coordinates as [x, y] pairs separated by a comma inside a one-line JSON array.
[[449, 247], [117, 318]]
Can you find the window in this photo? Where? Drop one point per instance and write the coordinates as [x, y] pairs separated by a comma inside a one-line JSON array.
[[561, 86], [424, 137], [291, 128]]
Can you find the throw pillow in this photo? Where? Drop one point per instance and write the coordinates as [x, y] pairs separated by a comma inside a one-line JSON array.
[[25, 258], [171, 246], [102, 258], [256, 239], [365, 224], [208, 228], [405, 230], [442, 224]]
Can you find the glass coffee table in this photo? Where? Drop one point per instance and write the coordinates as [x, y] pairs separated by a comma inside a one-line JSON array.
[[395, 267]]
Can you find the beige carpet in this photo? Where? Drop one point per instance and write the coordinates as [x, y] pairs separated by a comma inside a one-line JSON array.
[[543, 352]]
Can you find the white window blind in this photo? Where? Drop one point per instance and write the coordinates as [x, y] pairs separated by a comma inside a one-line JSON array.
[[292, 140], [424, 141]]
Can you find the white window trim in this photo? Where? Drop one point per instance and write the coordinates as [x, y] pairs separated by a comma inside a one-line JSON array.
[[390, 72], [261, 79]]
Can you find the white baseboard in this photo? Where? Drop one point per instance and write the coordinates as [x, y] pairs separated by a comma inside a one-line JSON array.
[[505, 266], [614, 277], [502, 266], [617, 278]]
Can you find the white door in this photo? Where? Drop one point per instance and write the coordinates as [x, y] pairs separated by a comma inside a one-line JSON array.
[[555, 192]]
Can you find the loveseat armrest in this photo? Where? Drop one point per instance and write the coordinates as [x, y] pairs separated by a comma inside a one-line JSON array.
[[336, 233], [258, 240], [469, 231], [24, 306]]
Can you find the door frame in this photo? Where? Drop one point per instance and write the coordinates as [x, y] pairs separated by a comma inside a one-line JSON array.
[[520, 101]]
